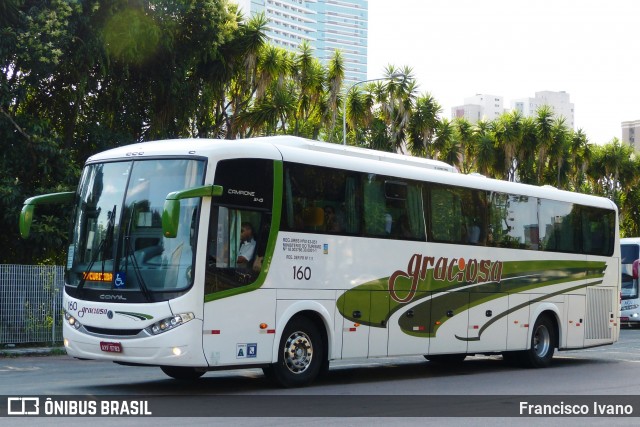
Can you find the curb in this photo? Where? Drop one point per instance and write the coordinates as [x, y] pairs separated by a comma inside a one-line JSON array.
[[33, 351]]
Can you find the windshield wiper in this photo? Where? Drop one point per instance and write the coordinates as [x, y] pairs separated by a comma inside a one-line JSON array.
[[101, 248], [128, 249]]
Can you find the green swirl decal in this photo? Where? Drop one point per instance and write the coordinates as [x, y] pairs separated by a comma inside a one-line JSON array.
[[448, 288], [136, 316]]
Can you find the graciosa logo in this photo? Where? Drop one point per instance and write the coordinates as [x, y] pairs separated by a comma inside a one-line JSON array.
[[444, 269]]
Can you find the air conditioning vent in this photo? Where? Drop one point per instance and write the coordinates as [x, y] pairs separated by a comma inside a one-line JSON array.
[[599, 309]]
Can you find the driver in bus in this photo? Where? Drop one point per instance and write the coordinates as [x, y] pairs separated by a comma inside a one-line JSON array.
[[247, 245]]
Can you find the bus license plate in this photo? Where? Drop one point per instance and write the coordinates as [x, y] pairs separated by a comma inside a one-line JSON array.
[[111, 347]]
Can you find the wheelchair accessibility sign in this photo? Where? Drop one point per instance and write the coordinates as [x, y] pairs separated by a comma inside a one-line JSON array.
[[246, 351], [121, 278]]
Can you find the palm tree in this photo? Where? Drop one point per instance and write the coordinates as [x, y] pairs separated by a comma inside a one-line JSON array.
[[274, 63], [335, 77], [484, 154], [397, 104], [559, 150], [511, 140], [423, 124], [452, 152], [308, 75], [544, 125], [609, 162], [497, 128], [243, 62], [272, 88], [443, 137], [465, 136], [526, 165], [359, 110], [579, 157]]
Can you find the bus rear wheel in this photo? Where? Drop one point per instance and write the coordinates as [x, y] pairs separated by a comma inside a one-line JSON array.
[[182, 373], [543, 341], [300, 354]]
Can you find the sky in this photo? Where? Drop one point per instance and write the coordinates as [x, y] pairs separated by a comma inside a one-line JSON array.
[[514, 48]]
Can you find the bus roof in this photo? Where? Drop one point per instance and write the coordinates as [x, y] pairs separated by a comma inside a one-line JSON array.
[[283, 143], [301, 150]]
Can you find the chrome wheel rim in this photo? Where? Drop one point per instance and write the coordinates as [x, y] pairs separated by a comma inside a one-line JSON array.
[[298, 352], [541, 341]]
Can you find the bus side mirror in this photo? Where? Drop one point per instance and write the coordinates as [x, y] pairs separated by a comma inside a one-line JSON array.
[[171, 210], [26, 215]]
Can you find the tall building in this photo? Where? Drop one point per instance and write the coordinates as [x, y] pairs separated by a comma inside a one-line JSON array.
[[558, 101], [479, 107], [326, 24], [471, 112], [631, 133]]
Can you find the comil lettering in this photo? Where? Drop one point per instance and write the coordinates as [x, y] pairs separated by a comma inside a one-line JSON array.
[[452, 270]]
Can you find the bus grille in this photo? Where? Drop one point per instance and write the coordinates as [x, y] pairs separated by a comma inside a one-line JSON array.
[[113, 332]]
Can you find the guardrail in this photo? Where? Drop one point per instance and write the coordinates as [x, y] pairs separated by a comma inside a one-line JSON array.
[[31, 304]]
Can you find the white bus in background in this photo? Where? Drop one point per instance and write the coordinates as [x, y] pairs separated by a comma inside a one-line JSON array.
[[357, 254], [630, 300]]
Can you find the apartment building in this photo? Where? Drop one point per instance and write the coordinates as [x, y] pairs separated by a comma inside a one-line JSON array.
[[479, 107], [558, 101], [631, 133], [326, 25]]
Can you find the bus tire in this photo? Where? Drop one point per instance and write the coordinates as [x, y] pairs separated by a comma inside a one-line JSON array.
[[182, 373], [300, 354], [543, 341]]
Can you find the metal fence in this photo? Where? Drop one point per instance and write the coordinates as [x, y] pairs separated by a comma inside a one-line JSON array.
[[31, 304]]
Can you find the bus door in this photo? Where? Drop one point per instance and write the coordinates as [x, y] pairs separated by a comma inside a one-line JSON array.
[[239, 228]]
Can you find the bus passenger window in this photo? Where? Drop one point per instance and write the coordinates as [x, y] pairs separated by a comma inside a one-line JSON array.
[[558, 224], [393, 208], [446, 215], [513, 221], [319, 200]]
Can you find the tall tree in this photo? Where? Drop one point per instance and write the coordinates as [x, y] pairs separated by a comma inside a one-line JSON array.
[[335, 78], [466, 137], [559, 151], [423, 124], [544, 126]]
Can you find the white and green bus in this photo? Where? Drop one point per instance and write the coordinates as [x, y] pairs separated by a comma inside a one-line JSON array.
[[349, 253], [630, 297]]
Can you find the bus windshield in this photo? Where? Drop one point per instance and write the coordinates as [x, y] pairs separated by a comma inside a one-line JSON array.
[[117, 242]]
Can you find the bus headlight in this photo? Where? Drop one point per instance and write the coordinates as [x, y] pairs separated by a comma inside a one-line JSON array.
[[72, 321], [169, 323]]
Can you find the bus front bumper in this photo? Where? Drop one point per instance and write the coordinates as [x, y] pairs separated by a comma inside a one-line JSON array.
[[181, 346]]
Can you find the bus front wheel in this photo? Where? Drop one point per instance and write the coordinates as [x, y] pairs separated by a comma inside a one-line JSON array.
[[300, 354]]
